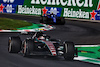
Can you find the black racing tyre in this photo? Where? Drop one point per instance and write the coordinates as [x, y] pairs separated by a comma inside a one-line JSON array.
[[28, 47], [41, 19], [44, 20], [62, 21], [14, 44], [69, 50]]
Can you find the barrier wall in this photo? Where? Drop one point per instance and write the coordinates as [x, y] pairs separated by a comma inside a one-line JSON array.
[[85, 9]]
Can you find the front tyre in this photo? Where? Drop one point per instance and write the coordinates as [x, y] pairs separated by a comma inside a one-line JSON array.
[[14, 44], [69, 50], [28, 47]]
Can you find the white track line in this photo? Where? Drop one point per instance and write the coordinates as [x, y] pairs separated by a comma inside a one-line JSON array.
[[87, 45], [81, 58]]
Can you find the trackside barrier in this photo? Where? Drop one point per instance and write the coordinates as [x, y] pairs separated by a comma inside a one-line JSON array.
[[84, 9]]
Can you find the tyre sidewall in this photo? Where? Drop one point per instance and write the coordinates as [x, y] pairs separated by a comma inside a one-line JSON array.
[[28, 47], [14, 43], [69, 50]]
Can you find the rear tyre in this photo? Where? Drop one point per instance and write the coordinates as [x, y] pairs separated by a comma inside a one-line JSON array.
[[43, 20], [14, 44], [62, 21], [69, 50], [28, 47]]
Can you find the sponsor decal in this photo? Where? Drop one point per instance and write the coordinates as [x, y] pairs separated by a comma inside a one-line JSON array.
[[14, 2], [1, 8], [9, 8], [8, 1], [37, 11], [86, 9], [53, 11], [95, 14], [77, 14], [70, 8], [44, 11], [85, 3], [11, 5], [50, 10], [29, 10], [83, 51], [51, 47]]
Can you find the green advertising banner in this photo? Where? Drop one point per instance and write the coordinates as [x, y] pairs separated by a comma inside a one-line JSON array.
[[85, 9]]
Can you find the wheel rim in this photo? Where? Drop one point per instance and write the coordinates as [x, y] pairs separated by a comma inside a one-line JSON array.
[[9, 46], [24, 48], [66, 47]]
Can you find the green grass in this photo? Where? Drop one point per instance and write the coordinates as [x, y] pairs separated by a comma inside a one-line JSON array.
[[11, 24]]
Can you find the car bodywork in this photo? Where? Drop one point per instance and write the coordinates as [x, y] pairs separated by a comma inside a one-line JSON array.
[[41, 44], [49, 47], [52, 19]]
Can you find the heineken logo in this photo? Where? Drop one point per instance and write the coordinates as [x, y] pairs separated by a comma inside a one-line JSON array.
[[29, 10], [77, 14], [79, 3]]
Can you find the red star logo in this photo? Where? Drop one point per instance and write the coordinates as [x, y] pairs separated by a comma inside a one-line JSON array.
[[93, 15], [44, 11], [1, 8], [98, 6]]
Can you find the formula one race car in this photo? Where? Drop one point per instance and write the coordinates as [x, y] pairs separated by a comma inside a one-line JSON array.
[[41, 44], [52, 19]]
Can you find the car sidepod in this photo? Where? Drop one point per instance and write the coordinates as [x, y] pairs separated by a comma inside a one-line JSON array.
[[51, 47]]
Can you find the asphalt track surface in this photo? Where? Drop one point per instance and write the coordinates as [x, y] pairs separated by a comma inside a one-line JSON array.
[[77, 31]]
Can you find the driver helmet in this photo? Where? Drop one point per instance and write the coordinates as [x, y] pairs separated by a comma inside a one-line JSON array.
[[51, 13], [41, 38]]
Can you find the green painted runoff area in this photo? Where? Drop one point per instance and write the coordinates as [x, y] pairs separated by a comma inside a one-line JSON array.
[[33, 26], [91, 52]]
